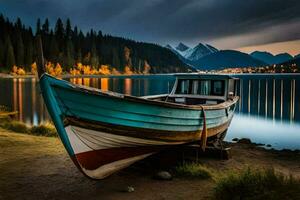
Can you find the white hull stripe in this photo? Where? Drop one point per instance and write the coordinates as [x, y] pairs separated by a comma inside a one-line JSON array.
[[84, 140]]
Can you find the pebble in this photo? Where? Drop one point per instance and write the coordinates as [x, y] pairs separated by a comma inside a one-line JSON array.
[[163, 175], [244, 141], [129, 189]]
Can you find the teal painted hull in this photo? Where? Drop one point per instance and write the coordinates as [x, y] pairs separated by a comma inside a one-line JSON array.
[[115, 113]]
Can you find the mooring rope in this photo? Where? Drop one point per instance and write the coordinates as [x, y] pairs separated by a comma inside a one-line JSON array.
[[203, 138]]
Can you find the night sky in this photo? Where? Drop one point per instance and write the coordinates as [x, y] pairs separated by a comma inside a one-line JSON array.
[[234, 24]]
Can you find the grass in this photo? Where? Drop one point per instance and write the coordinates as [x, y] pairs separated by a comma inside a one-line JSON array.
[[194, 170], [15, 126], [44, 129], [257, 185]]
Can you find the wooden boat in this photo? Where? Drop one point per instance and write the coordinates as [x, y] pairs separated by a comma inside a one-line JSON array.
[[104, 132]]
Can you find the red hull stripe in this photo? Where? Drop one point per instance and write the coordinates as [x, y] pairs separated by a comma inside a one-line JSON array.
[[92, 160]]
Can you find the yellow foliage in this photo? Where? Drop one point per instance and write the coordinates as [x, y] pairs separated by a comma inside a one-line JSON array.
[[50, 68], [74, 72], [86, 69], [115, 71], [58, 70], [18, 71], [79, 66], [15, 69], [34, 68], [21, 71], [128, 71], [104, 69], [147, 68]]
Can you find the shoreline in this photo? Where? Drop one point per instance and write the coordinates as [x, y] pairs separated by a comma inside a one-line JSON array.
[[9, 76], [39, 167]]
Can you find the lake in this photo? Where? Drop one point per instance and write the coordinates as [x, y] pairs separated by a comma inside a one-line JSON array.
[[268, 111]]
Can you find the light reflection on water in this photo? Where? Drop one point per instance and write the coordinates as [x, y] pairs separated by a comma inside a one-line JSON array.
[[268, 111], [265, 131]]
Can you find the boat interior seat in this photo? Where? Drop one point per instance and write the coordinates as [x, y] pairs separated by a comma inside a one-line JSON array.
[[193, 101]]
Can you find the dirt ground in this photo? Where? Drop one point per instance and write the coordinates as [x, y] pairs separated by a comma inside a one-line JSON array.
[[33, 167]]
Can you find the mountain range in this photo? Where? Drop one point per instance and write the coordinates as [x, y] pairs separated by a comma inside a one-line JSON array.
[[270, 58], [207, 57]]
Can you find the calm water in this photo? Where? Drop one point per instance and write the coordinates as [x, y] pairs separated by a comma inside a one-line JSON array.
[[268, 111]]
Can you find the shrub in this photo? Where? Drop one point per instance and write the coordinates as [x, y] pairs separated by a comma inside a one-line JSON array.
[[16, 126], [193, 170], [258, 184], [45, 129]]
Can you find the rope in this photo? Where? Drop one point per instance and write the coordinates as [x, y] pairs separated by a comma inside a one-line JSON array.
[[203, 138]]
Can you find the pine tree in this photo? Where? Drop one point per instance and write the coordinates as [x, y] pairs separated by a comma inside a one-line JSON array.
[[53, 50], [115, 58], [1, 53], [68, 29], [10, 56], [94, 56], [20, 50], [29, 54], [38, 26], [69, 62], [59, 34], [45, 27]]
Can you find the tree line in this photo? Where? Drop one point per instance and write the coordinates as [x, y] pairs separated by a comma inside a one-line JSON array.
[[68, 46]]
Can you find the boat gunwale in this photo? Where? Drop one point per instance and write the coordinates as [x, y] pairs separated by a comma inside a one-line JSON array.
[[138, 113], [99, 92]]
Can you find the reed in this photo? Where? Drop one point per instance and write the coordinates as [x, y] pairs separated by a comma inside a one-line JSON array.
[[44, 129], [193, 169], [15, 126], [257, 184]]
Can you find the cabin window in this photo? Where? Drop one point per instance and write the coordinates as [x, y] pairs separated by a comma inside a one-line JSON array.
[[205, 87], [195, 87], [201, 87], [218, 88], [183, 87]]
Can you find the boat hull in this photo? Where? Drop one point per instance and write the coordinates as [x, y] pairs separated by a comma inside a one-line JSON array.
[[105, 132]]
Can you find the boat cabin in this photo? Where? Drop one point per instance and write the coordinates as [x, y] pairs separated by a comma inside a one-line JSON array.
[[201, 89]]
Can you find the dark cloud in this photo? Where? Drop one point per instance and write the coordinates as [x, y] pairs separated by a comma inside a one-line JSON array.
[[165, 21]]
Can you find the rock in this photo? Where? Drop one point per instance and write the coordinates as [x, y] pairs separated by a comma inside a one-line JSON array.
[[268, 145], [244, 141], [129, 189], [235, 139], [163, 175]]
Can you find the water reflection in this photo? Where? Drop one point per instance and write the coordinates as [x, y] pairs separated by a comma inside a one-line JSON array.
[[264, 131], [273, 98]]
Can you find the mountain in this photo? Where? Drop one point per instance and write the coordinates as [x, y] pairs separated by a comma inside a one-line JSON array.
[[188, 55], [270, 58], [227, 59], [179, 55], [296, 61], [181, 47], [199, 51], [297, 56]]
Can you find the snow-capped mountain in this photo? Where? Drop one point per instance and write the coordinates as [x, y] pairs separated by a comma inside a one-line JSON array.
[[193, 54], [199, 51], [181, 48]]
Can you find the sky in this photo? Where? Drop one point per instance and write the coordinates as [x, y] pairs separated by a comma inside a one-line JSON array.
[[246, 25]]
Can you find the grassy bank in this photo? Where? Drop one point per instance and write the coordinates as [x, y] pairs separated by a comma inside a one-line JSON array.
[[44, 129], [41, 168], [257, 185]]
